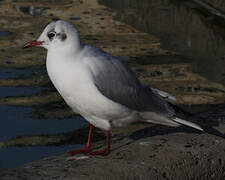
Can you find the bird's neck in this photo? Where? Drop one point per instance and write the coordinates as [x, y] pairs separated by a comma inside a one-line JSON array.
[[65, 52]]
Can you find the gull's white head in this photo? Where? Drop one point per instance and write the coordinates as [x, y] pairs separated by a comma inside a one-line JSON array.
[[57, 35]]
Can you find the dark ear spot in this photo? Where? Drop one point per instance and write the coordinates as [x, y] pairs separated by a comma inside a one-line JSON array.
[[62, 36]]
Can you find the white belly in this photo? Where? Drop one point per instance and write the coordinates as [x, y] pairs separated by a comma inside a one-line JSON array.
[[74, 82]]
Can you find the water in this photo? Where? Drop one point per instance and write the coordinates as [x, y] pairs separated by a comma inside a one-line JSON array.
[[16, 121], [6, 73], [4, 34], [19, 91], [15, 156]]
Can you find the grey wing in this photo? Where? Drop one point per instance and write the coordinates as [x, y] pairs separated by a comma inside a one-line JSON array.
[[117, 82]]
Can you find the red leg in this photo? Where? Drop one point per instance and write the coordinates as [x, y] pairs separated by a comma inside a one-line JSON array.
[[87, 149], [107, 148]]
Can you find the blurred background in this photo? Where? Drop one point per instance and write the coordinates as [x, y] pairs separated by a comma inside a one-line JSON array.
[[173, 45]]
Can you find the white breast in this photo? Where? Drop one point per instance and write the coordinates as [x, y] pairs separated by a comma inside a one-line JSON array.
[[73, 80]]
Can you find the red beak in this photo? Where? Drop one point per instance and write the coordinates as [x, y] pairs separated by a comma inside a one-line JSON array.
[[32, 44]]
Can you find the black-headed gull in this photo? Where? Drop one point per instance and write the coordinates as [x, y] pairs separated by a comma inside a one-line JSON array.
[[99, 86]]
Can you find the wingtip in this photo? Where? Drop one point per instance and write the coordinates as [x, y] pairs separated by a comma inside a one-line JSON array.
[[187, 123]]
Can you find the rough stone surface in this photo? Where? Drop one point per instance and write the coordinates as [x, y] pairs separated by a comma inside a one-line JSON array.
[[150, 153]]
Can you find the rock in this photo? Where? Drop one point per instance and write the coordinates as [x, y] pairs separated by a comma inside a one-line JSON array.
[[150, 153], [31, 10]]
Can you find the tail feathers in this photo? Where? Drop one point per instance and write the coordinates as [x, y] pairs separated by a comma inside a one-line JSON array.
[[187, 123]]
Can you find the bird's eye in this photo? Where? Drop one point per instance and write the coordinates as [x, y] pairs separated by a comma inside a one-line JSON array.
[[51, 35]]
